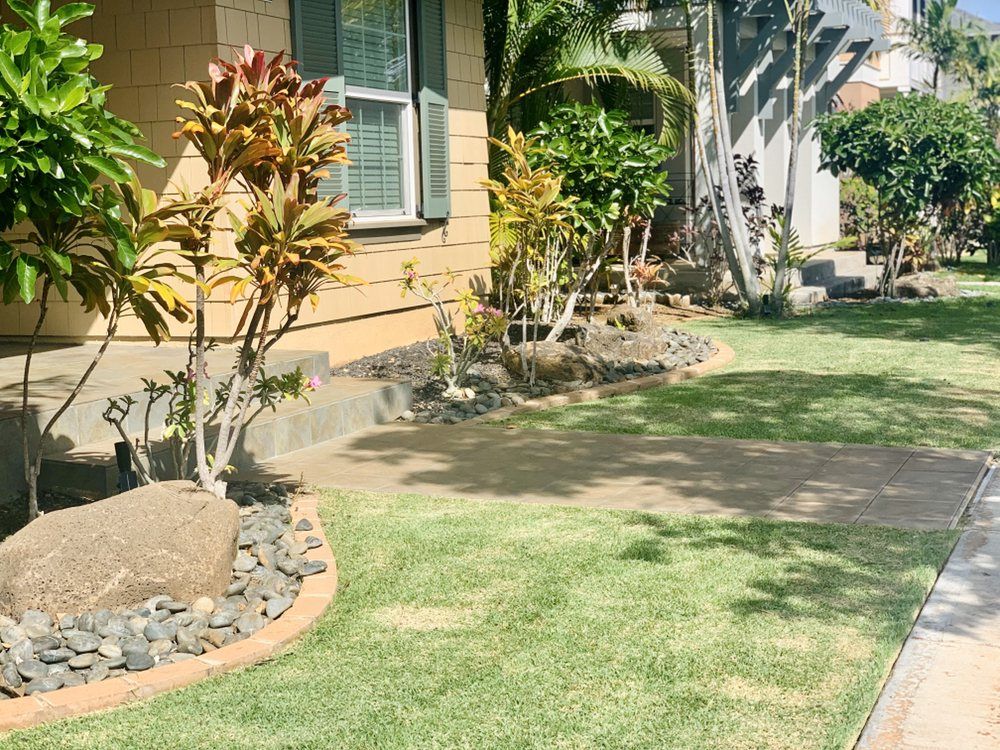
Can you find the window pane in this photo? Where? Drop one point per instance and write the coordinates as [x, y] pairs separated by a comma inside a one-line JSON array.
[[375, 44], [375, 177]]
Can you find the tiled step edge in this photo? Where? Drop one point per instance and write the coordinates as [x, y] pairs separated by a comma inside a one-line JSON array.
[[724, 356], [273, 434], [316, 594]]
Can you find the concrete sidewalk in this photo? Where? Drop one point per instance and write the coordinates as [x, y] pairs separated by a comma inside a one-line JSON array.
[[944, 691], [912, 488]]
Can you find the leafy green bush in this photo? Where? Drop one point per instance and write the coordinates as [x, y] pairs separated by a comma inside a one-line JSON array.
[[615, 170], [616, 173], [56, 137], [927, 159]]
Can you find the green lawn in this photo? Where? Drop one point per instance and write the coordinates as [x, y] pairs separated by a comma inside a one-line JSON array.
[[887, 374], [490, 625], [974, 268]]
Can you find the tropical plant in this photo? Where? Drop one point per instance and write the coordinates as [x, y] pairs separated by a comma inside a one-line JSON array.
[[937, 38], [257, 124], [481, 324], [924, 157], [617, 174], [536, 47], [532, 240], [57, 141]]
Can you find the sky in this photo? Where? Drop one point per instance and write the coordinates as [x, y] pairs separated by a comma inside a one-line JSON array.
[[988, 9]]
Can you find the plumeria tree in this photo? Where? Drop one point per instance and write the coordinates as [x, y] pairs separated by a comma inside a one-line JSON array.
[[58, 141], [617, 174], [926, 159], [260, 128]]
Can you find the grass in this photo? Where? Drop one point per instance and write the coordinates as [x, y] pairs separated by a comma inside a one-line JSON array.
[[886, 374], [490, 625], [973, 268]]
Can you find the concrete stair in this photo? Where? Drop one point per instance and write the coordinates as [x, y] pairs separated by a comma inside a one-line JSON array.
[[832, 274], [80, 456], [342, 406]]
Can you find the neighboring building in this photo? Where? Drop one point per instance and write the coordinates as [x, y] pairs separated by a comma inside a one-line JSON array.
[[892, 71], [412, 72], [756, 51]]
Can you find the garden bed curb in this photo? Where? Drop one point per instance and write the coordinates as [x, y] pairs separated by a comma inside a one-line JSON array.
[[316, 594], [720, 359]]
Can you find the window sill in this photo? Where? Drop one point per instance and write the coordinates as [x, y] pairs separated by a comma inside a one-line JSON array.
[[379, 230]]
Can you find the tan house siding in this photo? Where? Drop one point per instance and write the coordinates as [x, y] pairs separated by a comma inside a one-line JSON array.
[[150, 45]]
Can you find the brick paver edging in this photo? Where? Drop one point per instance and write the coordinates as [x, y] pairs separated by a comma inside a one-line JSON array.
[[720, 359], [317, 592]]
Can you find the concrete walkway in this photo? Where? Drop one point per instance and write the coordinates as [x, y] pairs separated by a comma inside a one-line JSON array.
[[913, 488], [944, 692]]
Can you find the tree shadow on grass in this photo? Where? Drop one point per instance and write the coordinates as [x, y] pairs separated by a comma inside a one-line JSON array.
[[818, 570]]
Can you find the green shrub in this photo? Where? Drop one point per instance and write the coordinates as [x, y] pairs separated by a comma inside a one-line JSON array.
[[615, 170], [927, 160]]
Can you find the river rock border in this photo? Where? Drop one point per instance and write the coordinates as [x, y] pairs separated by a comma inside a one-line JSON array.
[[316, 594], [723, 356]]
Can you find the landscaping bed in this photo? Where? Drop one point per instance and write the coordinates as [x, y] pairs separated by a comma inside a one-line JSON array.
[[470, 624], [45, 651], [586, 355]]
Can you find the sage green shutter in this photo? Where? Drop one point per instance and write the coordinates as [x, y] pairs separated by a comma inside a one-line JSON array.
[[435, 163], [316, 42]]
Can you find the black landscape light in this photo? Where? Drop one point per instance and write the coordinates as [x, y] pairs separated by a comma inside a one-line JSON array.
[[127, 478]]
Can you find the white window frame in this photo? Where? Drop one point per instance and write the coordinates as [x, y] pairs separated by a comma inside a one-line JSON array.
[[404, 98]]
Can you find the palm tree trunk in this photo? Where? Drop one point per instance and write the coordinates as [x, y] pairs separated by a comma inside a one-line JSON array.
[[800, 26], [727, 173]]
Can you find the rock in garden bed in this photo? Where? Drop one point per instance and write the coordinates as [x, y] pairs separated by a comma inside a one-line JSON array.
[[165, 538], [42, 651], [587, 355]]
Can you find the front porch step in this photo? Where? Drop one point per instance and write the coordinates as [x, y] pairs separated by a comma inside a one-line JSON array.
[[830, 264], [56, 368], [833, 274], [343, 406]]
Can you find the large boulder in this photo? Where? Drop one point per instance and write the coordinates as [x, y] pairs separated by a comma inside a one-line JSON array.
[[555, 361], [168, 538], [926, 285]]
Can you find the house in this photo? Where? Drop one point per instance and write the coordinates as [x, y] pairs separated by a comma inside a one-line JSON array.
[[412, 73], [755, 46], [892, 71]]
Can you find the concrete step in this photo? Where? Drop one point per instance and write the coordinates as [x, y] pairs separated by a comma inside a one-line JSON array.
[[56, 369], [804, 296], [830, 264], [341, 407], [120, 375]]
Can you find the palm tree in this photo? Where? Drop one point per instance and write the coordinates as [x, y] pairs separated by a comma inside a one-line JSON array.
[[535, 48], [936, 38]]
